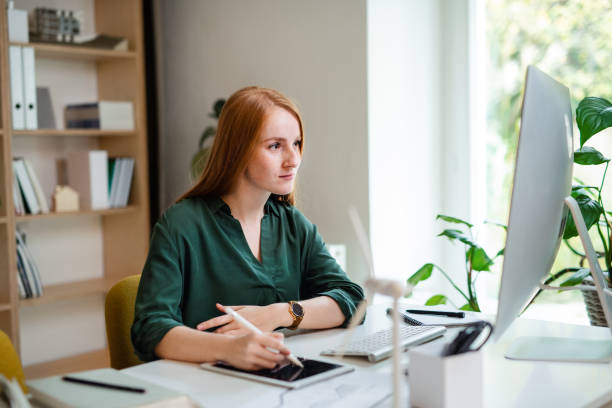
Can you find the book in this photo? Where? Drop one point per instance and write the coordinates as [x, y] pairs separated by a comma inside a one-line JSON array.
[[115, 182], [88, 174], [126, 176], [102, 41], [53, 391], [106, 115], [23, 277], [26, 187], [40, 196], [17, 197], [31, 271]]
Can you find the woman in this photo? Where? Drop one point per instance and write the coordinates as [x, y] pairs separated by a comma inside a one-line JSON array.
[[236, 239]]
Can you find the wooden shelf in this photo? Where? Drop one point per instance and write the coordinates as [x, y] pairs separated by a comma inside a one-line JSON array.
[[5, 306], [76, 52], [110, 211], [80, 362], [67, 291], [74, 132], [3, 220]]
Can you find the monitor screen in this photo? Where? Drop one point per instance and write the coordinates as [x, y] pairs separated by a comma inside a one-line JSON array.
[[542, 180]]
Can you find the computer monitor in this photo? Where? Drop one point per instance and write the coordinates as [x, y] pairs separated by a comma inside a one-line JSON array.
[[538, 211]]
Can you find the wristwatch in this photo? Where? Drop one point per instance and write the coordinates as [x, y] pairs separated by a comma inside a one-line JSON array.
[[297, 312]]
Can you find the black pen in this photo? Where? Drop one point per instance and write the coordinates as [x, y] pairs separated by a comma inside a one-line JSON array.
[[460, 315], [103, 385]]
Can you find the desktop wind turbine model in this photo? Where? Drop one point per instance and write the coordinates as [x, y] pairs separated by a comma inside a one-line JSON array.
[[387, 287]]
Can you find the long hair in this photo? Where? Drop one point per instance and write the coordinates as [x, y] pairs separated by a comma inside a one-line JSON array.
[[240, 124]]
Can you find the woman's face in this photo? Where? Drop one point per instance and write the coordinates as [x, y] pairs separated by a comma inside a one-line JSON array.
[[277, 156]]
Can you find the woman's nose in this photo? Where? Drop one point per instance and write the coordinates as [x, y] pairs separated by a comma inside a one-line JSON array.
[[293, 158]]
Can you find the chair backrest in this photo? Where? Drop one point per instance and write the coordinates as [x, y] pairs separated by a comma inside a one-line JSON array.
[[119, 314], [10, 366]]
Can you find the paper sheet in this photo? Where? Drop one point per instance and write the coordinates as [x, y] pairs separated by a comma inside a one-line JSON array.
[[357, 389]]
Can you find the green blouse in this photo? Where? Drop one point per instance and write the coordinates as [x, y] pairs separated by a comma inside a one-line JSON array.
[[199, 256]]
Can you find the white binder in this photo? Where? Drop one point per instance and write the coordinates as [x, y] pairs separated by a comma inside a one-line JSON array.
[[29, 88], [16, 74]]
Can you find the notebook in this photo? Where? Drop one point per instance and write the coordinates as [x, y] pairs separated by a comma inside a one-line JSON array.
[[54, 391]]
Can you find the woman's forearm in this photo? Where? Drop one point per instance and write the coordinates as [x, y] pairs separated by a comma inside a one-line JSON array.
[[319, 313], [186, 344]]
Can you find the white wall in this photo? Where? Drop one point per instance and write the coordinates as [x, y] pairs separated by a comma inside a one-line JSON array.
[[314, 52]]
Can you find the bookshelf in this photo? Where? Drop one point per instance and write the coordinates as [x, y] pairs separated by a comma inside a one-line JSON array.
[[123, 233]]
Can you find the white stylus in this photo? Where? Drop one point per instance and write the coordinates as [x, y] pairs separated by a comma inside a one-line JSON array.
[[249, 326]]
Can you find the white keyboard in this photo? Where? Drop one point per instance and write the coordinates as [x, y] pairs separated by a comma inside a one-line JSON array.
[[379, 345]]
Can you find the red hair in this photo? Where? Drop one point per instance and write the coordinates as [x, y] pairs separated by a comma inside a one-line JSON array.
[[240, 124]]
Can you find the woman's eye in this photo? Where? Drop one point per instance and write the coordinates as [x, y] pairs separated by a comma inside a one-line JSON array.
[[297, 143], [274, 146]]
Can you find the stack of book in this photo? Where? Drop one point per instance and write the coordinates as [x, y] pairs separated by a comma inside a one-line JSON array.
[[120, 172], [54, 25], [28, 277], [27, 192], [101, 182], [104, 115]]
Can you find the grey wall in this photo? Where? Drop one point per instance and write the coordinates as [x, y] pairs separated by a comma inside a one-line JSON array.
[[314, 52]]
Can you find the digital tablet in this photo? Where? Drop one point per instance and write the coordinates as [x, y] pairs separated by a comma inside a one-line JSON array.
[[287, 375]]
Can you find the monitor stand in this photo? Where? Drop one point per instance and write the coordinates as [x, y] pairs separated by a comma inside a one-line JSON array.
[[564, 348]]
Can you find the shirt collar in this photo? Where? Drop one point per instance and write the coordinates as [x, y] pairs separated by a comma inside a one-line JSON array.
[[217, 204], [271, 206]]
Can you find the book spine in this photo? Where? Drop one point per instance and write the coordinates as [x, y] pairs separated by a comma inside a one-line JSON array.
[[40, 196], [26, 185]]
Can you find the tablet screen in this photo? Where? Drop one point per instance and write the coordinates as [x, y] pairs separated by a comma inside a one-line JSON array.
[[288, 372]]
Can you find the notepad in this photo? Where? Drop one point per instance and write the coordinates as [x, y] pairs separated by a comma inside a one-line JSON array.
[[53, 391]]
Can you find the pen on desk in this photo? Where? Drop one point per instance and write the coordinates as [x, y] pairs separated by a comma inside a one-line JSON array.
[[460, 315], [103, 385], [249, 326]]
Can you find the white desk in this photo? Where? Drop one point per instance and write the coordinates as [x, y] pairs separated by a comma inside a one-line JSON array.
[[507, 383]]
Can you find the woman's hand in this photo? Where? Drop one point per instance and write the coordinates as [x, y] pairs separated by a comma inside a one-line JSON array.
[[265, 318], [252, 351]]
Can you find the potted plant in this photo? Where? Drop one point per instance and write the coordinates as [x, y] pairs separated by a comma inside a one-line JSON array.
[[198, 162], [476, 261], [592, 116]]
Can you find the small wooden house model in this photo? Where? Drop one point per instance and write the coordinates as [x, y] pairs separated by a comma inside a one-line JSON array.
[[65, 199]]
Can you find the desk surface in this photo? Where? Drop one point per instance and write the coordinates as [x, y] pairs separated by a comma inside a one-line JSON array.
[[507, 383]]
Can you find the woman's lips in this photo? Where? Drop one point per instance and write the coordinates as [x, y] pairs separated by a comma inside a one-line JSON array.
[[288, 176]]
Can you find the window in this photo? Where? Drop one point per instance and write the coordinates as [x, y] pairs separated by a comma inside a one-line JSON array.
[[570, 40]]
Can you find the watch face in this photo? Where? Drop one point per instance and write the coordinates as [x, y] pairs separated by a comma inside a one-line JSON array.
[[297, 309]]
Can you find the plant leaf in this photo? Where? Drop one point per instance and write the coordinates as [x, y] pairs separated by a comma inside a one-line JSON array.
[[467, 307], [589, 156], [500, 252], [436, 300], [208, 132], [422, 274], [497, 224], [217, 106], [479, 259], [592, 116], [591, 211], [198, 163], [453, 220], [453, 234], [577, 277]]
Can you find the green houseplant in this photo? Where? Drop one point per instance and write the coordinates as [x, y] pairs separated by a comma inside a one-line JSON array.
[[476, 261], [592, 116], [198, 162]]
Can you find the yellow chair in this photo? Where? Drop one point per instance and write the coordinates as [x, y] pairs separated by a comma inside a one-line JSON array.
[[119, 314], [10, 366]]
